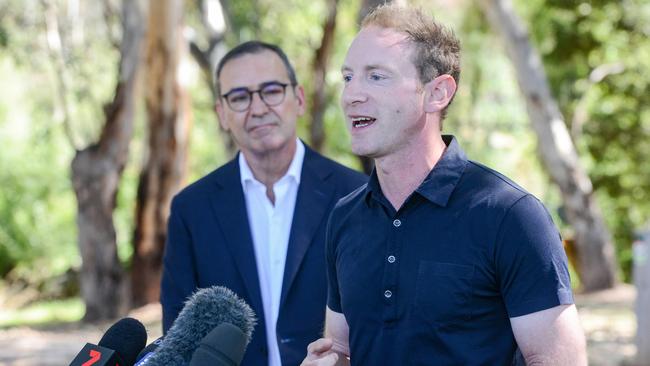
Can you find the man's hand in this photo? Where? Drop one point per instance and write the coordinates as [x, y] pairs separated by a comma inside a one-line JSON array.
[[333, 349], [321, 353]]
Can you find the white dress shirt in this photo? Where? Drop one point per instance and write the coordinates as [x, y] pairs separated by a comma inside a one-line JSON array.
[[270, 227]]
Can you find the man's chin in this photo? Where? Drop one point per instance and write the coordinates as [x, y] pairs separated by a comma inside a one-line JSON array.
[[270, 145], [362, 151]]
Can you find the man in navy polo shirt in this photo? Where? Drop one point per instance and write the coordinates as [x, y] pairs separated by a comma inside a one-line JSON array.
[[438, 260]]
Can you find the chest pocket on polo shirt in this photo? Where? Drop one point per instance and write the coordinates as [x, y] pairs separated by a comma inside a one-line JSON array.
[[443, 291]]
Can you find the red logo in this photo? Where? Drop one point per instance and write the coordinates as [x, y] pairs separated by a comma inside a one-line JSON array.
[[94, 357]]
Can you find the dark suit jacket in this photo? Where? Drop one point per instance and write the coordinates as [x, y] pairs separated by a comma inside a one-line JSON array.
[[209, 243]]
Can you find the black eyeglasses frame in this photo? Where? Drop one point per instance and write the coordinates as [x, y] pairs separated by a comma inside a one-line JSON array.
[[259, 93]]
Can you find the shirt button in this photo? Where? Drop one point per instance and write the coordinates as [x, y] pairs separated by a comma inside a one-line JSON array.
[[388, 294], [391, 259], [397, 223]]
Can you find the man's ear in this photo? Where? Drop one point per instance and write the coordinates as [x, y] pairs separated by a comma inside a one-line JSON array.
[[299, 91], [438, 93], [218, 106]]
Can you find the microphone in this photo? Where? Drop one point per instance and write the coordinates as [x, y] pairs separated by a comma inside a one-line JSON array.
[[204, 310], [147, 352], [223, 346], [119, 346]]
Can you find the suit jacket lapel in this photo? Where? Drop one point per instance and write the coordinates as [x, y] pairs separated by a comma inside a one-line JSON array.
[[314, 195], [230, 210]]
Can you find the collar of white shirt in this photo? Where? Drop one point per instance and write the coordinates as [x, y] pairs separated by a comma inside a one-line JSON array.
[[294, 171]]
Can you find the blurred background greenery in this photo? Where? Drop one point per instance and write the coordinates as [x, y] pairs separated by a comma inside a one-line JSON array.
[[596, 55]]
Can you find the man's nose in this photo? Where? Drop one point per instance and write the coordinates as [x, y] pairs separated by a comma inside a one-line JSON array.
[[258, 107], [353, 92]]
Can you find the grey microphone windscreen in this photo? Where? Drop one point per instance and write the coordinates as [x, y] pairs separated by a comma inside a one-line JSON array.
[[204, 310]]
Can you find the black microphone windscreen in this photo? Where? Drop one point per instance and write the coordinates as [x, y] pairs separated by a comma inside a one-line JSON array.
[[127, 337], [223, 346], [204, 310]]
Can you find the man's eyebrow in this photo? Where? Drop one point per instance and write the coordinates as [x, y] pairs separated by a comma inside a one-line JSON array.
[[377, 67], [260, 86], [272, 82], [237, 89], [366, 68]]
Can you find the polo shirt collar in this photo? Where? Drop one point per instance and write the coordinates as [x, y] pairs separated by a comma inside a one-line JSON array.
[[441, 181]]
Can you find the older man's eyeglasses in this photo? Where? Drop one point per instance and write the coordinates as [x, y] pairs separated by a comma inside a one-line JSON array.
[[240, 99]]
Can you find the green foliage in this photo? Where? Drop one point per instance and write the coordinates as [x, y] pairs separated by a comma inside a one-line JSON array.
[[36, 201], [4, 37], [597, 55], [207, 143], [488, 114]]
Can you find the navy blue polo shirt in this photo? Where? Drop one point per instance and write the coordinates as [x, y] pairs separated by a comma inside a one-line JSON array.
[[436, 282]]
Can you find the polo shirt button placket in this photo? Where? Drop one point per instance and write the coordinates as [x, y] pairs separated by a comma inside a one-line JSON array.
[[390, 279]]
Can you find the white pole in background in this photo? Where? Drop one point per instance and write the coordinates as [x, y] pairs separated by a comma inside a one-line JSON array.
[[641, 253]]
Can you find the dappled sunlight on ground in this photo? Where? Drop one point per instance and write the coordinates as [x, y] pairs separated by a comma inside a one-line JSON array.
[[56, 345], [610, 325]]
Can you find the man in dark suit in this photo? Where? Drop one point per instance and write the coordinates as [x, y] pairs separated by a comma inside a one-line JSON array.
[[257, 224]]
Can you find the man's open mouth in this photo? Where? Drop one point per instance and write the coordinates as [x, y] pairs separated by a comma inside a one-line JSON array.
[[360, 122]]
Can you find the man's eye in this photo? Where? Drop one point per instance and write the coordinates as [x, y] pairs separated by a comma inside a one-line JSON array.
[[347, 78], [376, 77], [273, 90], [238, 98]]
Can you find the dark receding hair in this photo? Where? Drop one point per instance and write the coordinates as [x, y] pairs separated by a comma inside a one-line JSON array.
[[436, 50], [254, 47]]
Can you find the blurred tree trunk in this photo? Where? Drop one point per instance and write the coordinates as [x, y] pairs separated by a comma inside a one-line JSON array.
[[96, 173], [215, 20], [169, 120], [597, 266], [319, 72]]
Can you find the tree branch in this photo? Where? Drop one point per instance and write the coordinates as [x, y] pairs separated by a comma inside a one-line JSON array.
[[55, 50], [110, 16], [319, 71]]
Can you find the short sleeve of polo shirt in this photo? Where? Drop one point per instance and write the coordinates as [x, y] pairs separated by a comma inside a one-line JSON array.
[[530, 261], [333, 295]]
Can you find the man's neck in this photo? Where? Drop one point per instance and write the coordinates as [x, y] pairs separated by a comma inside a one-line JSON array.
[[400, 174], [269, 167]]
